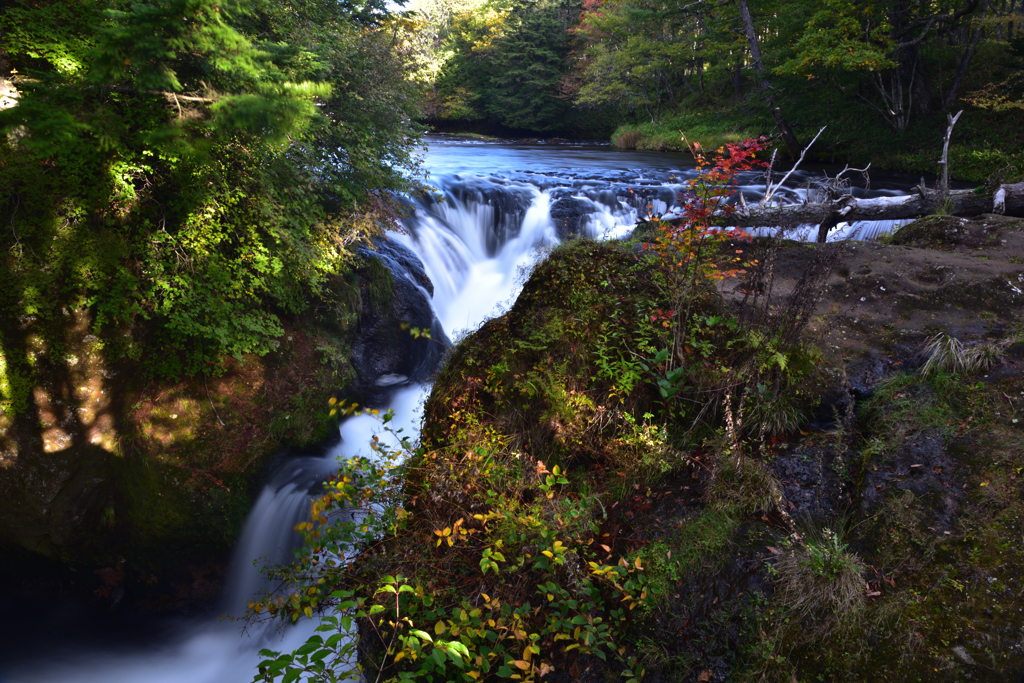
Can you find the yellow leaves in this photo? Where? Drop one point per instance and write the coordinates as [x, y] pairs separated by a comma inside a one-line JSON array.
[[454, 531], [440, 628]]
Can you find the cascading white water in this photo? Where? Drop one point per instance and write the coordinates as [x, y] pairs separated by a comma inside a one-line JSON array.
[[469, 281], [474, 246]]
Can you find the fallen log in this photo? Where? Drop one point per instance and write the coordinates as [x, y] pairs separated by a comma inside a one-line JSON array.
[[1007, 200]]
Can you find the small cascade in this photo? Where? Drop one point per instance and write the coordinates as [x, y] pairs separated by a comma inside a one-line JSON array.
[[474, 241]]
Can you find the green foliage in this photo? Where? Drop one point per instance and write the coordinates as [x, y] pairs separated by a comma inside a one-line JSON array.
[[507, 61], [48, 33], [423, 631], [526, 65], [664, 136], [842, 37], [193, 171], [695, 545]]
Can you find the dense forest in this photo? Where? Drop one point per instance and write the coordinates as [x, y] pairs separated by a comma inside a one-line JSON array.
[[878, 74], [184, 186], [148, 137]]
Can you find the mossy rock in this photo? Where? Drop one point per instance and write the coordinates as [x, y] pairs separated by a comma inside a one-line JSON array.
[[953, 231]]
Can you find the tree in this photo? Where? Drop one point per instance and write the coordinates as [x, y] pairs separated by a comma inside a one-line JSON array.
[[755, 53], [507, 61], [529, 60], [192, 170], [637, 55], [882, 41]]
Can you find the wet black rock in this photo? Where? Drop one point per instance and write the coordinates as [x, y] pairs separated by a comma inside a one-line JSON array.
[[389, 351], [569, 215], [507, 205]]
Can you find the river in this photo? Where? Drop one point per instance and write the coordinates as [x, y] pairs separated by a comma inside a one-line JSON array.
[[496, 209]]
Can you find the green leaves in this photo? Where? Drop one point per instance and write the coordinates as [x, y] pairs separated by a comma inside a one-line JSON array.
[[490, 559], [176, 142], [508, 64], [843, 36]]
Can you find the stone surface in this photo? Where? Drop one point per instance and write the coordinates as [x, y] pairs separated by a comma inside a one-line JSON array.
[[388, 344]]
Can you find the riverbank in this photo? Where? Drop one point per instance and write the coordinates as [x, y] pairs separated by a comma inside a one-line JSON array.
[[133, 485], [985, 146]]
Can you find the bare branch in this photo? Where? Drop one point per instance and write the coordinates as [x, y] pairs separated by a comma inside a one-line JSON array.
[[944, 161], [928, 22], [770, 191]]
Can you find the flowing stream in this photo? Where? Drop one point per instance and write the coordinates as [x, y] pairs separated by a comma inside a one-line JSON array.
[[497, 208]]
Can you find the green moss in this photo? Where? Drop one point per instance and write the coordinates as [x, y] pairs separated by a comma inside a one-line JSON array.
[[16, 384], [944, 599], [697, 543], [380, 285]]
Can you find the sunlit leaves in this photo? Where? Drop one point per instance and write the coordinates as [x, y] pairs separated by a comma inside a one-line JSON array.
[[843, 36]]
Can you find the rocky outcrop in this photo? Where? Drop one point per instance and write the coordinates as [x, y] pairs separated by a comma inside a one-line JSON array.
[[569, 215], [400, 339]]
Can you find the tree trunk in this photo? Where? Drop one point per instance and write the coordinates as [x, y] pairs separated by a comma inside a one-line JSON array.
[[686, 82], [755, 53], [670, 90], [965, 61], [1007, 200], [917, 77]]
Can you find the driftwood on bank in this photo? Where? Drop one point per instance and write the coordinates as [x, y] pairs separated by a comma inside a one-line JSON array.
[[1007, 200]]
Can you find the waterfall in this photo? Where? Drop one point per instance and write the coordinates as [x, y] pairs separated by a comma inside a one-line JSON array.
[[477, 239], [472, 246]]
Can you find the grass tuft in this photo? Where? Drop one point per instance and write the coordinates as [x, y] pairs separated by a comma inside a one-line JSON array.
[[819, 579], [746, 485], [949, 354]]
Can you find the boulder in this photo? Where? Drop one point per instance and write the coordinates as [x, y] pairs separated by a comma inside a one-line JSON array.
[[400, 339], [569, 215]]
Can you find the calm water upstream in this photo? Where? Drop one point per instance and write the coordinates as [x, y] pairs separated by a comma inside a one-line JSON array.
[[496, 208]]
